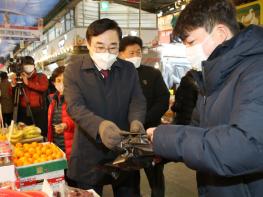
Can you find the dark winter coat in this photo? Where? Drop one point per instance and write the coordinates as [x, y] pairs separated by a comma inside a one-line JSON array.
[[92, 99], [185, 99], [69, 132], [227, 148], [156, 94]]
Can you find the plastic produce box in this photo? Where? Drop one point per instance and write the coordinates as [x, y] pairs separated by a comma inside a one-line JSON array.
[[35, 182]]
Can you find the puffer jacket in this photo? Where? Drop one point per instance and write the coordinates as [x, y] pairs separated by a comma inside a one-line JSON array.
[[69, 132], [37, 85], [226, 149]]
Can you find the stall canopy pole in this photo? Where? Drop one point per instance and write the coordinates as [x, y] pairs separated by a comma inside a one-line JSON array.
[[140, 12]]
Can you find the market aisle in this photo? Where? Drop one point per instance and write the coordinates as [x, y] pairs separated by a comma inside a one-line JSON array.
[[180, 182]]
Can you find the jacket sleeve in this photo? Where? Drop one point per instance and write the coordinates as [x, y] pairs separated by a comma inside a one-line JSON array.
[[41, 84], [161, 100], [76, 107], [195, 118], [226, 150], [137, 108], [69, 122]]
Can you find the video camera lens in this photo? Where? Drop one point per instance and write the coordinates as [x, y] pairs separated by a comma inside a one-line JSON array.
[[15, 65]]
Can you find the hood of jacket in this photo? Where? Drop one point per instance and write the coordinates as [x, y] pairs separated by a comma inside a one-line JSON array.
[[228, 56]]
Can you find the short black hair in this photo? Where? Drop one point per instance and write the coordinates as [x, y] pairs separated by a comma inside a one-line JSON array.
[[3, 75], [100, 26], [58, 71], [129, 40], [28, 60], [206, 14]]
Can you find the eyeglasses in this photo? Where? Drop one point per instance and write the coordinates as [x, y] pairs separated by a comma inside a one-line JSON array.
[[102, 49], [176, 39]]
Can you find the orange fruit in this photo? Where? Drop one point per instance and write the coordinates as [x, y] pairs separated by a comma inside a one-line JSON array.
[[50, 158], [59, 155], [18, 153], [27, 155], [35, 156], [19, 163], [34, 144], [48, 151], [43, 159], [31, 150], [26, 145], [19, 145]]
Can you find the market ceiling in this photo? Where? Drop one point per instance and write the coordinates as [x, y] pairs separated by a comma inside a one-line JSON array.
[[23, 13], [26, 12], [154, 6]]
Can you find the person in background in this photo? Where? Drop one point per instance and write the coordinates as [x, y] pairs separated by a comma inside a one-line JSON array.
[[35, 85], [6, 99], [226, 146], [157, 99], [185, 100], [104, 97], [60, 125]]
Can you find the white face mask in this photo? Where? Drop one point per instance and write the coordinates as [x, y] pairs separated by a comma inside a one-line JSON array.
[[29, 68], [103, 60], [59, 87], [195, 54], [135, 60]]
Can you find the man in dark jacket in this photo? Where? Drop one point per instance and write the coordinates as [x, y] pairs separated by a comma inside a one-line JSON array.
[[185, 99], [226, 149], [104, 97], [157, 99]]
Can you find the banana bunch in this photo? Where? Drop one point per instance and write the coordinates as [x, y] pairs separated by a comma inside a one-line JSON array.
[[16, 136], [31, 131]]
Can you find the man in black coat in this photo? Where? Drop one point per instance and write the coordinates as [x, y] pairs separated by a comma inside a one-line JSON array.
[[226, 147], [157, 98], [185, 99], [103, 95]]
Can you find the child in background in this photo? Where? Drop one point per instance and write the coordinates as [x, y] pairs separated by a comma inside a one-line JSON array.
[[60, 125]]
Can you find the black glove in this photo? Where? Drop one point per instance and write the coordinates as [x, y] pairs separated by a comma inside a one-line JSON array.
[[110, 134], [137, 127]]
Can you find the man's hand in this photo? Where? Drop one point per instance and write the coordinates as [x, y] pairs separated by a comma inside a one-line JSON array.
[[110, 134], [60, 128], [12, 78], [25, 78], [150, 133], [137, 127]]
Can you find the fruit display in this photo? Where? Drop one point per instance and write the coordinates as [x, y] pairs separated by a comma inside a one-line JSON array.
[[26, 154], [23, 132]]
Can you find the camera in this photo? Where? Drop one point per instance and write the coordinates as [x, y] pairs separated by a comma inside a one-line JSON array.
[[15, 65]]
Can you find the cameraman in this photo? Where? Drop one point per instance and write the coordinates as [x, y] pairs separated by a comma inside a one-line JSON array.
[[35, 84]]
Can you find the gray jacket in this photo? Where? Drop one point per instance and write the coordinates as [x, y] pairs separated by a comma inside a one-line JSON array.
[[226, 149], [90, 100]]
